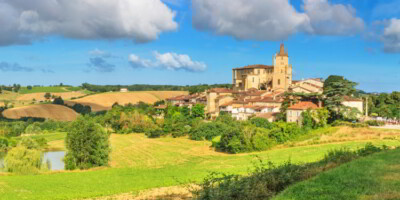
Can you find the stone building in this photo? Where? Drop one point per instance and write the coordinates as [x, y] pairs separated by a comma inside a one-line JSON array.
[[276, 77]]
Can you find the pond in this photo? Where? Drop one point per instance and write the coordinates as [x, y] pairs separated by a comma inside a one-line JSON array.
[[55, 158]]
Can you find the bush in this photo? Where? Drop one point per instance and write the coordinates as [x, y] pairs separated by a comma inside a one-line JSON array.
[[33, 129], [88, 145], [22, 160], [349, 124], [375, 123], [207, 131], [261, 122], [4, 144], [268, 180], [58, 101]]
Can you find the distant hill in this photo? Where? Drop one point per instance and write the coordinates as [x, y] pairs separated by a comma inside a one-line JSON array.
[[47, 111], [104, 101]]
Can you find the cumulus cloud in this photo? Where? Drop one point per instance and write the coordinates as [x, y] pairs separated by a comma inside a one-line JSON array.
[[391, 36], [22, 21], [273, 19], [332, 19], [170, 61], [99, 64], [14, 67], [248, 19]]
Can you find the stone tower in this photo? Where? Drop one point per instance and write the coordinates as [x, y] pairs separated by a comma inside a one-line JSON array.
[[282, 77]]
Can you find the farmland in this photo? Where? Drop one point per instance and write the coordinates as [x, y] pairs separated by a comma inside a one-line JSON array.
[[55, 89], [139, 163], [104, 101], [48, 111]]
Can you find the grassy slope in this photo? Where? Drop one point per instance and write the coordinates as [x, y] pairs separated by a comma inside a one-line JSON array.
[[373, 177], [25, 90], [140, 163]]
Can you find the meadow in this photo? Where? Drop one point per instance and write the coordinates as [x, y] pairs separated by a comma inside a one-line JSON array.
[[56, 89], [376, 177], [139, 163]]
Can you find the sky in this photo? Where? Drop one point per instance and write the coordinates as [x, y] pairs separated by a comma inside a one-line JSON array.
[[187, 42]]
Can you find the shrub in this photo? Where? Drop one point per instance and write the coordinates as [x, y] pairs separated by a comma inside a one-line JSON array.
[[207, 131], [349, 124], [58, 101], [33, 128], [4, 144], [375, 123], [22, 160], [88, 145], [261, 122]]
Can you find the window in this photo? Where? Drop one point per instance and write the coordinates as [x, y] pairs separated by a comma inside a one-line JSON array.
[[279, 81], [253, 79]]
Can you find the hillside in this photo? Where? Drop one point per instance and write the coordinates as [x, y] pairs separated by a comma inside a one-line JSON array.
[[104, 101], [373, 177], [40, 96], [48, 111]]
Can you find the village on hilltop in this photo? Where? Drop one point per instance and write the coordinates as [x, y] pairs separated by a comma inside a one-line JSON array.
[[258, 91]]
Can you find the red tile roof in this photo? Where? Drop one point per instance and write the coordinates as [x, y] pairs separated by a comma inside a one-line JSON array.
[[347, 98], [304, 105], [221, 90], [177, 98]]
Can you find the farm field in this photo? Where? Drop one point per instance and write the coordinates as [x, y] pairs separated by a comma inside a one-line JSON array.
[[104, 101], [139, 163], [47, 111], [40, 96], [57, 89], [373, 177]]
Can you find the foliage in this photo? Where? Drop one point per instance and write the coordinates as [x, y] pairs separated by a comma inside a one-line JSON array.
[[375, 123], [3, 144], [198, 111], [266, 181], [349, 124], [47, 95], [384, 105], [207, 131], [82, 109], [58, 101], [335, 88], [33, 128], [88, 145], [137, 87]]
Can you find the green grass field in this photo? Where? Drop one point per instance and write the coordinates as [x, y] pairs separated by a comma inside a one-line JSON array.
[[139, 163], [57, 89], [376, 177]]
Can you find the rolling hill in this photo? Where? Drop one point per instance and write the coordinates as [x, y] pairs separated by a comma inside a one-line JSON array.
[[105, 101], [47, 111], [40, 96]]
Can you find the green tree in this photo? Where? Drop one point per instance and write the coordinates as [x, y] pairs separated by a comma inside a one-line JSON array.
[[198, 111], [29, 87], [87, 145], [335, 88], [58, 101], [47, 95]]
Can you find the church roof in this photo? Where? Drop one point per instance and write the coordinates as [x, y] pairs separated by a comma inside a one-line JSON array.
[[282, 51]]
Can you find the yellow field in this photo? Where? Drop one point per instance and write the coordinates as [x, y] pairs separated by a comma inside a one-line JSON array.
[[40, 96], [104, 101], [48, 111]]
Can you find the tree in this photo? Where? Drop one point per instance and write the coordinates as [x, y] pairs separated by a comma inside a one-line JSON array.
[[334, 90], [29, 87], [87, 145], [198, 111], [58, 101], [26, 158], [47, 95]]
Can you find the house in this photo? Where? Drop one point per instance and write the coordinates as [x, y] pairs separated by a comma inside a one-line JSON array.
[[293, 113], [270, 116], [123, 90], [312, 85], [353, 103]]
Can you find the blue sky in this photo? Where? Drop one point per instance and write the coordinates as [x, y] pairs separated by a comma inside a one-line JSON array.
[[190, 46]]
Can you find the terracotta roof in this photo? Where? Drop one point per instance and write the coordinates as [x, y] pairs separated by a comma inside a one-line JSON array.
[[267, 99], [299, 86], [221, 90], [304, 105], [267, 115], [177, 98], [347, 98], [255, 66], [222, 96], [161, 107], [226, 104]]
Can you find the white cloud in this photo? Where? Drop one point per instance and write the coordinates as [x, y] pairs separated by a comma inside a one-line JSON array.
[[248, 19], [22, 21], [170, 61], [332, 19], [391, 36], [273, 19]]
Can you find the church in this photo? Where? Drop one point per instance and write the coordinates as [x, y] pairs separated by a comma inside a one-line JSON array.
[[274, 78]]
